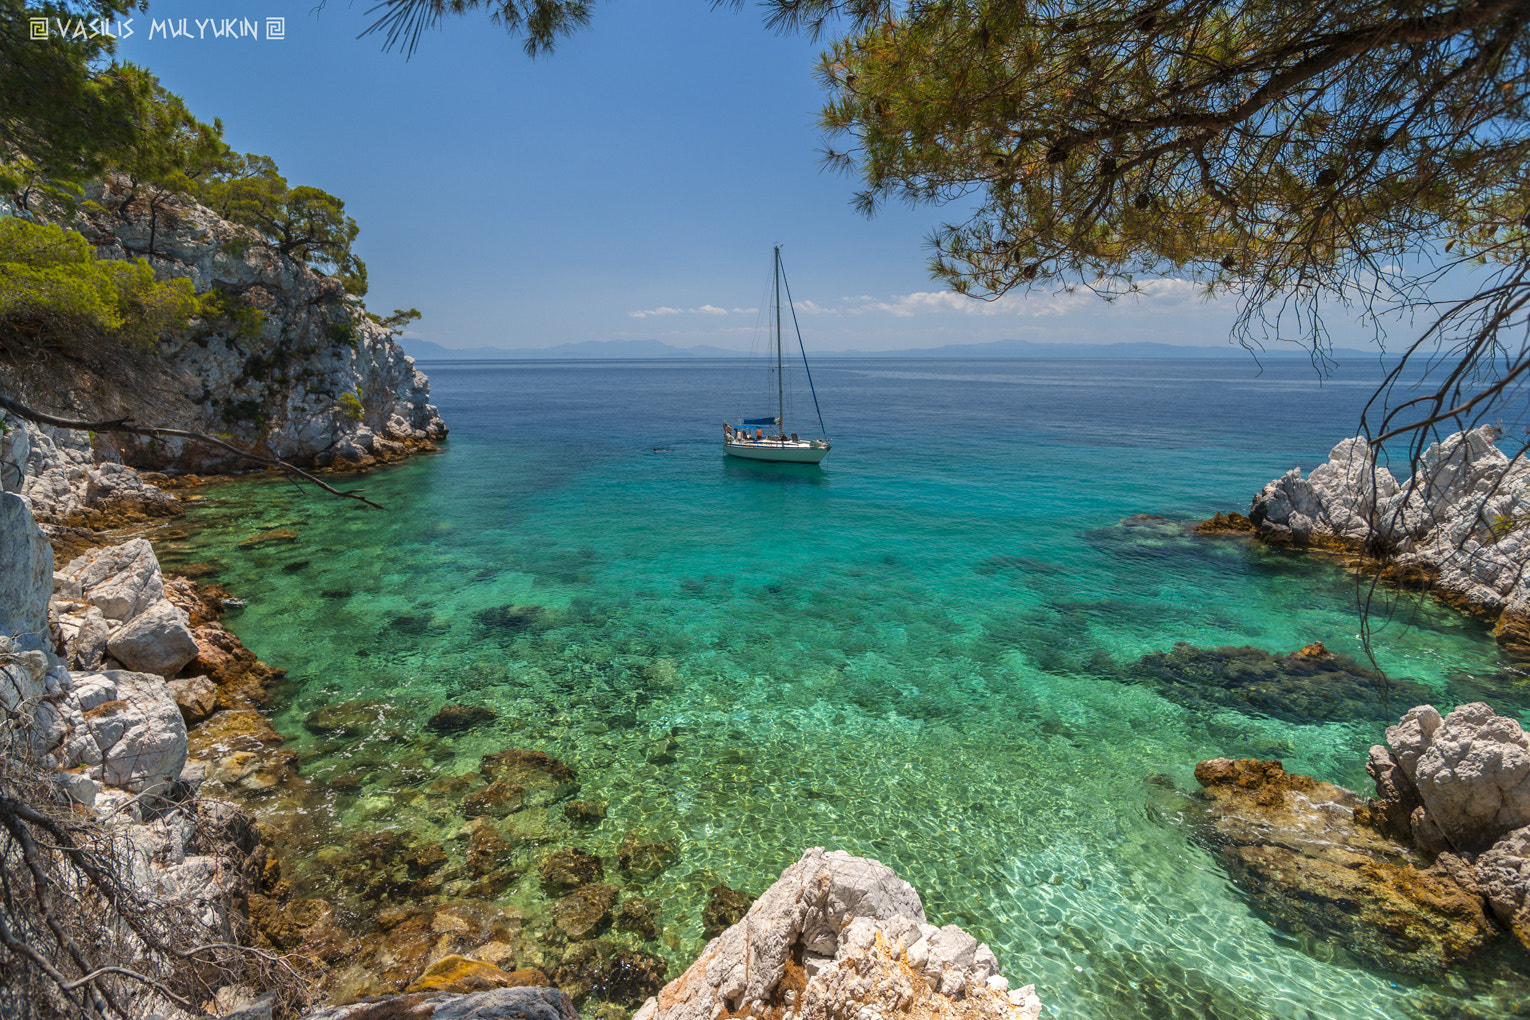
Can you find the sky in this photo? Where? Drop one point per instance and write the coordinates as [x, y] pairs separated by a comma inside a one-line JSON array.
[[629, 186]]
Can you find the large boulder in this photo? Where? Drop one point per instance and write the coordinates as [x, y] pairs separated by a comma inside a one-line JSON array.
[[121, 580], [127, 729], [840, 936], [155, 641], [1471, 772], [26, 574], [121, 589]]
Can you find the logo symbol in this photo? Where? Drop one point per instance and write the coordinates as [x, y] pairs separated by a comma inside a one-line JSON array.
[[276, 28], [39, 28]]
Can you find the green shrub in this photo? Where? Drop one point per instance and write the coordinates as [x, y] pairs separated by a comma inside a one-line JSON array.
[[52, 286], [231, 315], [345, 332], [351, 405]]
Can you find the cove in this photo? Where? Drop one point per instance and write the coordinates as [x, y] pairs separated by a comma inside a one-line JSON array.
[[929, 651]]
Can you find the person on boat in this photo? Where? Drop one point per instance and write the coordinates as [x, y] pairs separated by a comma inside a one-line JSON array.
[[794, 437], [759, 434], [727, 430]]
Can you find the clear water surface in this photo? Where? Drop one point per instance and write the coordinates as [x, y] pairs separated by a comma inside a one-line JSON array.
[[918, 652]]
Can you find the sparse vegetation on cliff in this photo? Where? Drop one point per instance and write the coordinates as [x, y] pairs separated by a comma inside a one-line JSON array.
[[54, 291]]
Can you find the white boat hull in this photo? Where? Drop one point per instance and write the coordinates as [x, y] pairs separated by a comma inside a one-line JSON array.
[[778, 451]]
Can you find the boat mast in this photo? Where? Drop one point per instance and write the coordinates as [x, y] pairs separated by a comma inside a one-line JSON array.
[[780, 401]]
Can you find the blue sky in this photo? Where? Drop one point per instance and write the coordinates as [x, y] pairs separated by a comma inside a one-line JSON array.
[[628, 186]]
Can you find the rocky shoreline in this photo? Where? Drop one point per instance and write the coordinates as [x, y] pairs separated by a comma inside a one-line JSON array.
[[420, 919], [146, 706]]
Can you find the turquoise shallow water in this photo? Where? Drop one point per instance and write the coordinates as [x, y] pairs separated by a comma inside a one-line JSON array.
[[920, 652]]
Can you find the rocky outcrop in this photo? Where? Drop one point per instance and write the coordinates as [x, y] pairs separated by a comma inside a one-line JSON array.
[[841, 936], [1335, 506], [115, 736], [293, 367], [71, 486], [1456, 524], [1409, 879], [1293, 843], [1469, 773]]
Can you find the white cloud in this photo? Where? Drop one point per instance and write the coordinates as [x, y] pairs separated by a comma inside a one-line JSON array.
[[1159, 294], [666, 310]]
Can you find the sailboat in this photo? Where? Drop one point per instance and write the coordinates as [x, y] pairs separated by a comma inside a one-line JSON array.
[[767, 438]]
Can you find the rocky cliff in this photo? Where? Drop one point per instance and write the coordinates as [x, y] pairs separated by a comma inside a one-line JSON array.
[[283, 361]]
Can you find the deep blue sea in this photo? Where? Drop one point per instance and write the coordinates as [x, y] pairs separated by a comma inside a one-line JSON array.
[[920, 652]]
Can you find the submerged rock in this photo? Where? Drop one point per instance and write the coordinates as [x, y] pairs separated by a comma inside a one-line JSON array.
[[639, 915], [545, 779], [512, 618], [842, 936], [585, 812], [351, 719], [584, 913], [605, 971], [725, 908], [456, 973], [496, 800], [1309, 685], [455, 718], [570, 868], [641, 860], [1292, 842]]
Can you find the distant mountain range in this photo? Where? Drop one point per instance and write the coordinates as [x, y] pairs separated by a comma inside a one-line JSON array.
[[610, 350]]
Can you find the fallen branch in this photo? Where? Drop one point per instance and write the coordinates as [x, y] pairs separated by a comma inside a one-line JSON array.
[[125, 425]]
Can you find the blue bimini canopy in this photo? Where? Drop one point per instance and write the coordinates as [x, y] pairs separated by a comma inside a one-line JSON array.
[[759, 421]]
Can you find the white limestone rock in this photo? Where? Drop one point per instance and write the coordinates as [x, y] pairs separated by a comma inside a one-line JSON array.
[[121, 580], [1337, 500], [1471, 770], [127, 729], [1503, 874], [121, 589], [867, 953], [1446, 518], [26, 575], [157, 640]]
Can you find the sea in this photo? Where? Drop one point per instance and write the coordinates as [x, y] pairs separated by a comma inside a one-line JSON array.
[[930, 650]]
